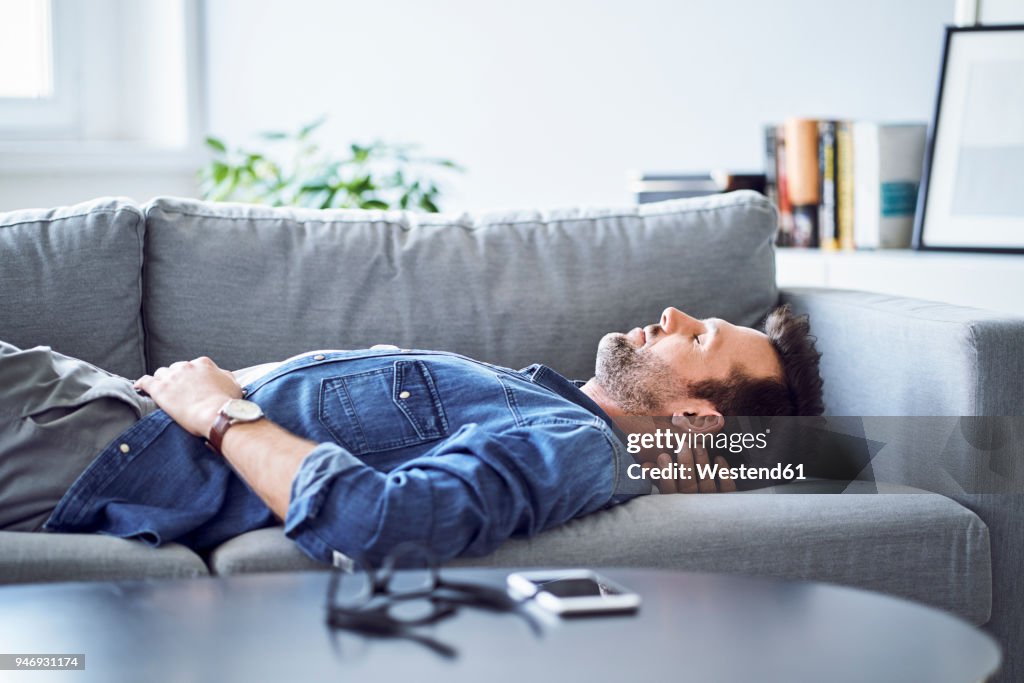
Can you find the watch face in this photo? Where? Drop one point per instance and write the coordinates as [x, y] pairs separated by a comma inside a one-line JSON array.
[[242, 410]]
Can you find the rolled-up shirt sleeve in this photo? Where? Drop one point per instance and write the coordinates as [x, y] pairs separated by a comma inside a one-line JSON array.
[[466, 495]]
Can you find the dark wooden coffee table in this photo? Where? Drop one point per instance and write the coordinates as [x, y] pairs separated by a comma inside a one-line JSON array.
[[691, 627]]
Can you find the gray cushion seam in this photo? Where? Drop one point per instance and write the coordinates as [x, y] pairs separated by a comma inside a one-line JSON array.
[[140, 226], [77, 215], [355, 221]]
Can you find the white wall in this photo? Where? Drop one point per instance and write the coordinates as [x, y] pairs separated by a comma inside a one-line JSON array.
[[552, 103]]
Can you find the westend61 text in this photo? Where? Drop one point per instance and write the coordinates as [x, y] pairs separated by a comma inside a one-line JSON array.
[[709, 472], [666, 439]]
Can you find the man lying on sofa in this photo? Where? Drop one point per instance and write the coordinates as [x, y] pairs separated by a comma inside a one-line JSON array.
[[356, 451]]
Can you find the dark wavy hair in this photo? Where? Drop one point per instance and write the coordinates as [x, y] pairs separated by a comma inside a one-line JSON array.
[[800, 392]]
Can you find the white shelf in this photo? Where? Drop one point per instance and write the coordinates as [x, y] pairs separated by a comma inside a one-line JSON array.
[[992, 281]]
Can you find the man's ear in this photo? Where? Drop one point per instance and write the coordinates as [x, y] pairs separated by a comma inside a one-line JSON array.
[[703, 423]]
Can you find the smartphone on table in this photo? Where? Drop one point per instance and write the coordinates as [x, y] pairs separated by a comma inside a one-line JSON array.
[[573, 592]]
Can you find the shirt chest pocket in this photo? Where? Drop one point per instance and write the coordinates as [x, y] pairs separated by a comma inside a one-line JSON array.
[[383, 409]]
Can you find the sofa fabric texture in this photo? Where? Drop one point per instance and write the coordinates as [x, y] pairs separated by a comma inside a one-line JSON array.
[[510, 288], [44, 557], [926, 358], [71, 279]]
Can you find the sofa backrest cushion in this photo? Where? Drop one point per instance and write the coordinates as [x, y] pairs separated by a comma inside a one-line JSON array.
[[70, 278], [246, 284]]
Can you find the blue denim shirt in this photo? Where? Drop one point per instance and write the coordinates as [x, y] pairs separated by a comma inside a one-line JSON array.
[[412, 445]]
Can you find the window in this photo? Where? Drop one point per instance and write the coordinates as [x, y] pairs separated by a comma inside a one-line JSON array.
[[26, 49], [103, 73], [36, 91]]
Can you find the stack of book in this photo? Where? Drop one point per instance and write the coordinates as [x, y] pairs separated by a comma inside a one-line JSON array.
[[844, 184], [659, 187]]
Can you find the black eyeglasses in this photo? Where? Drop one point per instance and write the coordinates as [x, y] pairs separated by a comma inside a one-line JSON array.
[[407, 591]]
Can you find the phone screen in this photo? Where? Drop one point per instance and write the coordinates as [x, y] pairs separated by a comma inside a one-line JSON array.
[[576, 588]]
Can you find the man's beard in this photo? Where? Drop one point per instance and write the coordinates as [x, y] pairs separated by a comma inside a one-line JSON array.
[[639, 382]]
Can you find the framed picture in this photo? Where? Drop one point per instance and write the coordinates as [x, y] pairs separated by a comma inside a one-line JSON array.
[[973, 180]]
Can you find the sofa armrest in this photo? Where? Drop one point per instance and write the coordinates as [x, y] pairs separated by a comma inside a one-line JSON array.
[[934, 392], [888, 355], [893, 356]]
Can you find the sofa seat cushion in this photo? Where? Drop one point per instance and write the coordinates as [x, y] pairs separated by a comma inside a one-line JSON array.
[[45, 557], [908, 543]]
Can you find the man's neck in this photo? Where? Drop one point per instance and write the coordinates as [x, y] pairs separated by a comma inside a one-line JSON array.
[[599, 396], [625, 422]]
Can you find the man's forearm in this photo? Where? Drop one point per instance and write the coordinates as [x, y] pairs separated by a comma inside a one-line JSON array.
[[267, 457]]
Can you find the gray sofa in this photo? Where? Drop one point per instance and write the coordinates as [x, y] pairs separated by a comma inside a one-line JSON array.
[[132, 288]]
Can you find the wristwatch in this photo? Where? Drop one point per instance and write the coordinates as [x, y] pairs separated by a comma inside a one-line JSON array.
[[231, 413]]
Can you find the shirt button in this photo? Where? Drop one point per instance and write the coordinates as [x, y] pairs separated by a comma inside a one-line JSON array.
[[319, 356], [124, 448], [404, 394]]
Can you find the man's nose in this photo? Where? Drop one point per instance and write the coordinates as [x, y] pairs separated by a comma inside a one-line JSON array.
[[674, 321]]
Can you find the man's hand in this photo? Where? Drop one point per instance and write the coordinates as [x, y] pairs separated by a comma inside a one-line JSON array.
[[191, 392], [266, 456], [687, 459]]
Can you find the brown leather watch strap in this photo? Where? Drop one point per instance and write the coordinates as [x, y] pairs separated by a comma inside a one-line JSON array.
[[217, 431]]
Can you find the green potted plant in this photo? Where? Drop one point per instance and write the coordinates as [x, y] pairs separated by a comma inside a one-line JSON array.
[[293, 169]]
